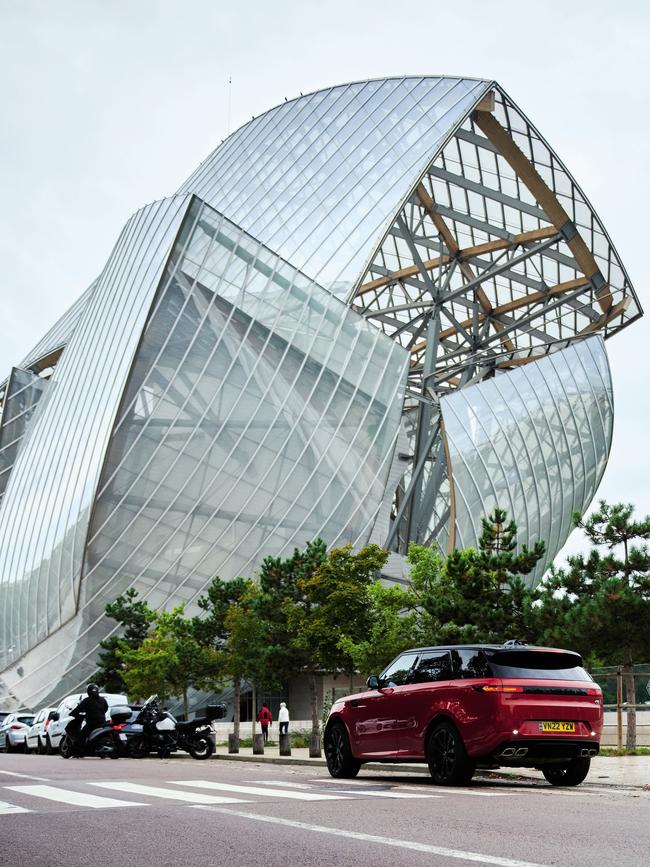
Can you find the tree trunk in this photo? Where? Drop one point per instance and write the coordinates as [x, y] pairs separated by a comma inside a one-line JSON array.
[[352, 681], [630, 698], [254, 714], [186, 704], [313, 698], [236, 682]]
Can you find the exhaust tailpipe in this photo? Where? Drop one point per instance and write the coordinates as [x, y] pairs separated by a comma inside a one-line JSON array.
[[522, 751], [509, 751]]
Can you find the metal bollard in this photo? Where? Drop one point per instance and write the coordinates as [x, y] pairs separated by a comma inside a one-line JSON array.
[[233, 743], [314, 746], [258, 745], [285, 744]]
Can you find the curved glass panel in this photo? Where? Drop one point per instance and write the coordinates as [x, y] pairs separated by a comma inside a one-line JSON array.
[[534, 442], [24, 390], [320, 178], [62, 330], [45, 510]]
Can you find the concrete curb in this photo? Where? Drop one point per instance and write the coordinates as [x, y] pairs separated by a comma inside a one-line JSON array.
[[523, 774]]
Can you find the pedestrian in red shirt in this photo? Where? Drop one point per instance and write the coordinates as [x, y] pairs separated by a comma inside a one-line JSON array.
[[265, 719]]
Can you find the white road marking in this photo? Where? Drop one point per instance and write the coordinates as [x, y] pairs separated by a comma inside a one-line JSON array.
[[159, 792], [279, 783], [26, 776], [7, 809], [257, 790], [79, 799], [389, 794], [373, 838], [381, 793], [463, 792]]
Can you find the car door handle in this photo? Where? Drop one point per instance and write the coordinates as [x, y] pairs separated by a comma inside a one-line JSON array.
[[356, 702], [388, 691]]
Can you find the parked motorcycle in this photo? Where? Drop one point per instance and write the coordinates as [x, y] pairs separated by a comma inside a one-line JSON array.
[[103, 741], [156, 730]]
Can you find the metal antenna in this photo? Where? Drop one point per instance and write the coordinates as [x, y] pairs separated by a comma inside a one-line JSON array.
[[229, 100]]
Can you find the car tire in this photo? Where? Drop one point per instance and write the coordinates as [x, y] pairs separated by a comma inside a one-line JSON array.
[[40, 748], [49, 749], [571, 774], [449, 764], [26, 748], [66, 747], [338, 754]]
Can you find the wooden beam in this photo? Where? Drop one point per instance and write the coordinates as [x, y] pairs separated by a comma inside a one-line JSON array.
[[546, 198], [517, 304], [606, 318], [452, 245], [465, 253]]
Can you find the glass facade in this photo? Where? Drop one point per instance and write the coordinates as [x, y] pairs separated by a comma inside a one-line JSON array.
[[24, 390], [371, 314], [534, 442]]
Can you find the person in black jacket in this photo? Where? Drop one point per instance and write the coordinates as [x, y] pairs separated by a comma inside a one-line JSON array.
[[93, 709]]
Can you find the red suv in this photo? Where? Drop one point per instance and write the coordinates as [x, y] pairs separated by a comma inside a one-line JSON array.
[[465, 707]]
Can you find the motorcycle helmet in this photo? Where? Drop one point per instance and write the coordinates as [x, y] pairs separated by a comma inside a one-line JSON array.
[[92, 689]]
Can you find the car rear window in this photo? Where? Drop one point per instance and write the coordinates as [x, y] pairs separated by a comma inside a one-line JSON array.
[[28, 720], [537, 664]]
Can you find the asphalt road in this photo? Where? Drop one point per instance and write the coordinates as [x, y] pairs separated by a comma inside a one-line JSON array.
[[181, 812]]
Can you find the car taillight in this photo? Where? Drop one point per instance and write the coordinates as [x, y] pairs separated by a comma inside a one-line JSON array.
[[502, 688], [497, 686], [47, 722], [118, 726], [17, 726], [594, 692]]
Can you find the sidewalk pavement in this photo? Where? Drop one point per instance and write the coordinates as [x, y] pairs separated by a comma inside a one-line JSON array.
[[612, 771]]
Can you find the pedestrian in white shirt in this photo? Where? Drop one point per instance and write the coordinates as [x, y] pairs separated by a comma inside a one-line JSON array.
[[283, 718]]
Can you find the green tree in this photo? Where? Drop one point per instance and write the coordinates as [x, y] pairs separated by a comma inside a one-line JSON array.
[[212, 629], [246, 655], [334, 603], [475, 594], [392, 629], [135, 617], [170, 660], [601, 602]]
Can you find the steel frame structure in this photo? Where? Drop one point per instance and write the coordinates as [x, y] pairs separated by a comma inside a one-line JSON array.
[[495, 259]]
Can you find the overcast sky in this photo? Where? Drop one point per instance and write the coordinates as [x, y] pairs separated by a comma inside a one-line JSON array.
[[109, 104]]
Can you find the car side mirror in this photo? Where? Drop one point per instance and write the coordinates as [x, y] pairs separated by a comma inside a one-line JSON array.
[[54, 716], [373, 682]]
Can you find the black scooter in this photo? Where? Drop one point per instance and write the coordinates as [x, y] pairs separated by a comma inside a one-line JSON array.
[[103, 741]]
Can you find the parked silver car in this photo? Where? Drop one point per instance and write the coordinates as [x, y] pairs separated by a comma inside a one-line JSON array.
[[37, 732], [13, 729]]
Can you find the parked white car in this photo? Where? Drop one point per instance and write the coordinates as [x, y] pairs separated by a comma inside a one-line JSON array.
[[56, 728], [35, 737], [12, 731]]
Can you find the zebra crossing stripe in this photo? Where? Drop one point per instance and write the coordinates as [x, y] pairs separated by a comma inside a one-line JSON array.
[[9, 809], [66, 796], [159, 792], [258, 790]]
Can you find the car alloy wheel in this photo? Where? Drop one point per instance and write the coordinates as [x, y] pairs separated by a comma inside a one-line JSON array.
[[338, 755], [448, 762], [571, 774]]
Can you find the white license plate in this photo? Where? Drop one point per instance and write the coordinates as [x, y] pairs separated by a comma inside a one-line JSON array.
[[122, 737]]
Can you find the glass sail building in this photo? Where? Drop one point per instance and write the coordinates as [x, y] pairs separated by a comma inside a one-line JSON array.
[[372, 314]]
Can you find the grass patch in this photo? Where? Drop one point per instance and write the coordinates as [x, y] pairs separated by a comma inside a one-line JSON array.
[[612, 751], [299, 740]]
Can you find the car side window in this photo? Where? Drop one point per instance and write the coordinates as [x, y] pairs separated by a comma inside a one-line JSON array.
[[398, 672], [432, 667], [469, 663]]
